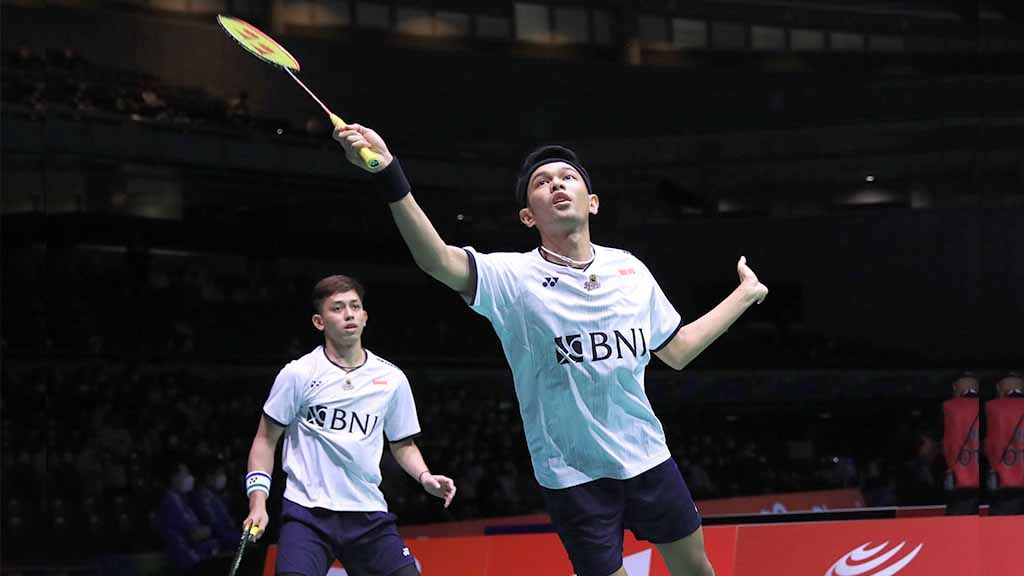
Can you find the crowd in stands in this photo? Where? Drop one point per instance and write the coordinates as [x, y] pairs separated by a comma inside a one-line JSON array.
[[215, 307], [42, 82]]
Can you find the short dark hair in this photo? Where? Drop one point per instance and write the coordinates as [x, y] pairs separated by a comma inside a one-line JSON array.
[[333, 285], [541, 156]]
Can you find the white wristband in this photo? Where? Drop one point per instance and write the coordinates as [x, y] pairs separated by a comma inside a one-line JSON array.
[[257, 480]]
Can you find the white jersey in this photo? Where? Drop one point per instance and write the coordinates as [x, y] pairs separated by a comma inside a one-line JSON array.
[[578, 342], [335, 425]]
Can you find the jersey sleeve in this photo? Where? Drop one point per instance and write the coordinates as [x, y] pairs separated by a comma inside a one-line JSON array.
[[665, 320], [400, 419], [285, 400], [495, 284]]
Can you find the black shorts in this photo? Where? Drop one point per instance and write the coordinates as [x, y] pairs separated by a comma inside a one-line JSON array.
[[365, 542], [591, 517]]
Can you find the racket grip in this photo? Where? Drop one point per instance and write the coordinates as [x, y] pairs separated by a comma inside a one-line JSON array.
[[370, 158]]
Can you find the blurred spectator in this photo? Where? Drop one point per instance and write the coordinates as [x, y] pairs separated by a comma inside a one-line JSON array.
[[67, 60], [153, 106], [83, 99], [917, 484], [1004, 446], [961, 444], [878, 486], [189, 543], [211, 506], [316, 126], [697, 478], [29, 59], [238, 109], [37, 99]]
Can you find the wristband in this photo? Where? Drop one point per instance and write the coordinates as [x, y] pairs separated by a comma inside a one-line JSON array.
[[257, 480], [420, 477], [391, 182]]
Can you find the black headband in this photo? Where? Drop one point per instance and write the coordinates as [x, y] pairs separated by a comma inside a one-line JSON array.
[[546, 155]]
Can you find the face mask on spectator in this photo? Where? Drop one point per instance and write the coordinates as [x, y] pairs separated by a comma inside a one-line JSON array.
[[185, 483]]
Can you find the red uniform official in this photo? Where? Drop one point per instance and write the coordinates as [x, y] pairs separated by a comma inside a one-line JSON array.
[[1004, 445], [961, 441], [1004, 439]]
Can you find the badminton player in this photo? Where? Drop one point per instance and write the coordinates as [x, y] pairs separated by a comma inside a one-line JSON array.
[[334, 406], [578, 323]]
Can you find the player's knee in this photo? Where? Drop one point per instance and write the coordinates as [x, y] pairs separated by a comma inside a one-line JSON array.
[[686, 558], [696, 565], [692, 567]]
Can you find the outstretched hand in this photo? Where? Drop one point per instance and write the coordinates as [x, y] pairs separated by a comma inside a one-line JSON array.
[[749, 282], [354, 137], [440, 486]]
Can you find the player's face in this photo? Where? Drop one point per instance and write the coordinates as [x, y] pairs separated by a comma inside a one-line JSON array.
[[557, 198], [341, 318]]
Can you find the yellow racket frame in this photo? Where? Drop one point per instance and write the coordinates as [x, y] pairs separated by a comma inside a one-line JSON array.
[[257, 43]]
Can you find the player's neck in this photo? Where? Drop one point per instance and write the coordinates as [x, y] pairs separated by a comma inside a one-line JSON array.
[[574, 248], [345, 355]]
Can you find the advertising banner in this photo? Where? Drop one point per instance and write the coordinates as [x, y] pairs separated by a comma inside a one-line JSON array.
[[939, 546]]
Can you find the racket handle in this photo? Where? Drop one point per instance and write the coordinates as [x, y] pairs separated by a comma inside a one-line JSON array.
[[370, 158]]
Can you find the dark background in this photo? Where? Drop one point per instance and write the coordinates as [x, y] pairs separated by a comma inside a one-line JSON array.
[[162, 231]]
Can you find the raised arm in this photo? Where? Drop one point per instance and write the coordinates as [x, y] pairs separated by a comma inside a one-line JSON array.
[[694, 337], [447, 264]]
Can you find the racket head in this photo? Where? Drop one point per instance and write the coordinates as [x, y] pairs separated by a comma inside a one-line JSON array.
[[257, 43]]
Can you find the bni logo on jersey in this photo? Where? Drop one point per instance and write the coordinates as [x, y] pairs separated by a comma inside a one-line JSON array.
[[341, 420], [600, 346]]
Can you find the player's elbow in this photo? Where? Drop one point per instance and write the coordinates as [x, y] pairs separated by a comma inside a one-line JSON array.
[[434, 268], [677, 365], [673, 361]]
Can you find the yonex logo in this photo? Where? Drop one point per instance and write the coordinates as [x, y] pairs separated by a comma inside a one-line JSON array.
[[869, 562], [550, 281]]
